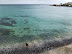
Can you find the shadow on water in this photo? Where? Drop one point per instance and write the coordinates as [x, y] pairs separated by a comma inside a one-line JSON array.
[[37, 49]]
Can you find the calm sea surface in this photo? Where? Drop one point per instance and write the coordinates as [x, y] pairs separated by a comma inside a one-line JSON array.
[[26, 23]]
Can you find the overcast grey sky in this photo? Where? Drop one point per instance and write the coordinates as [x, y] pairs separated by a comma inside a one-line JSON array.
[[33, 1]]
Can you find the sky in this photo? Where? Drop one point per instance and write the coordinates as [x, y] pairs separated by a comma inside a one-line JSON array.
[[33, 1]]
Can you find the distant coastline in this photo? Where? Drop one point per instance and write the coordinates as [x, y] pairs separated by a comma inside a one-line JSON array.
[[69, 4]]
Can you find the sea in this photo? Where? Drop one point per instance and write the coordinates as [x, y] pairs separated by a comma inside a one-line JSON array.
[[21, 23]]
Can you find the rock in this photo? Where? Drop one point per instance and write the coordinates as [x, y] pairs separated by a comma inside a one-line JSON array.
[[13, 22], [26, 28], [6, 23], [26, 21], [4, 31], [24, 16], [6, 18]]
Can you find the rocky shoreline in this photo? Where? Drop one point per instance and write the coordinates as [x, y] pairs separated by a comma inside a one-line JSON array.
[[61, 50], [69, 4], [37, 48]]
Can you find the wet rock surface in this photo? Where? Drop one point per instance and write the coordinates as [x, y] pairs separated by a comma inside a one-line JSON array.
[[35, 49]]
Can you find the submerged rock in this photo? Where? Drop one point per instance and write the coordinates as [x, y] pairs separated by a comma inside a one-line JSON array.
[[13, 22], [57, 31], [5, 32], [16, 16], [6, 18], [26, 28], [64, 23], [0, 33], [25, 16], [27, 37], [26, 21], [6, 23]]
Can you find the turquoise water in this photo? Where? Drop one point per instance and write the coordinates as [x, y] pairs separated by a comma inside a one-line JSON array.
[[26, 23]]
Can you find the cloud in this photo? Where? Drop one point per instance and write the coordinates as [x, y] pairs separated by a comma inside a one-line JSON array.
[[33, 1]]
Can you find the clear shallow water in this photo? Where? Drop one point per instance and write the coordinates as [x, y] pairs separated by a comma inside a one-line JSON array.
[[26, 23]]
